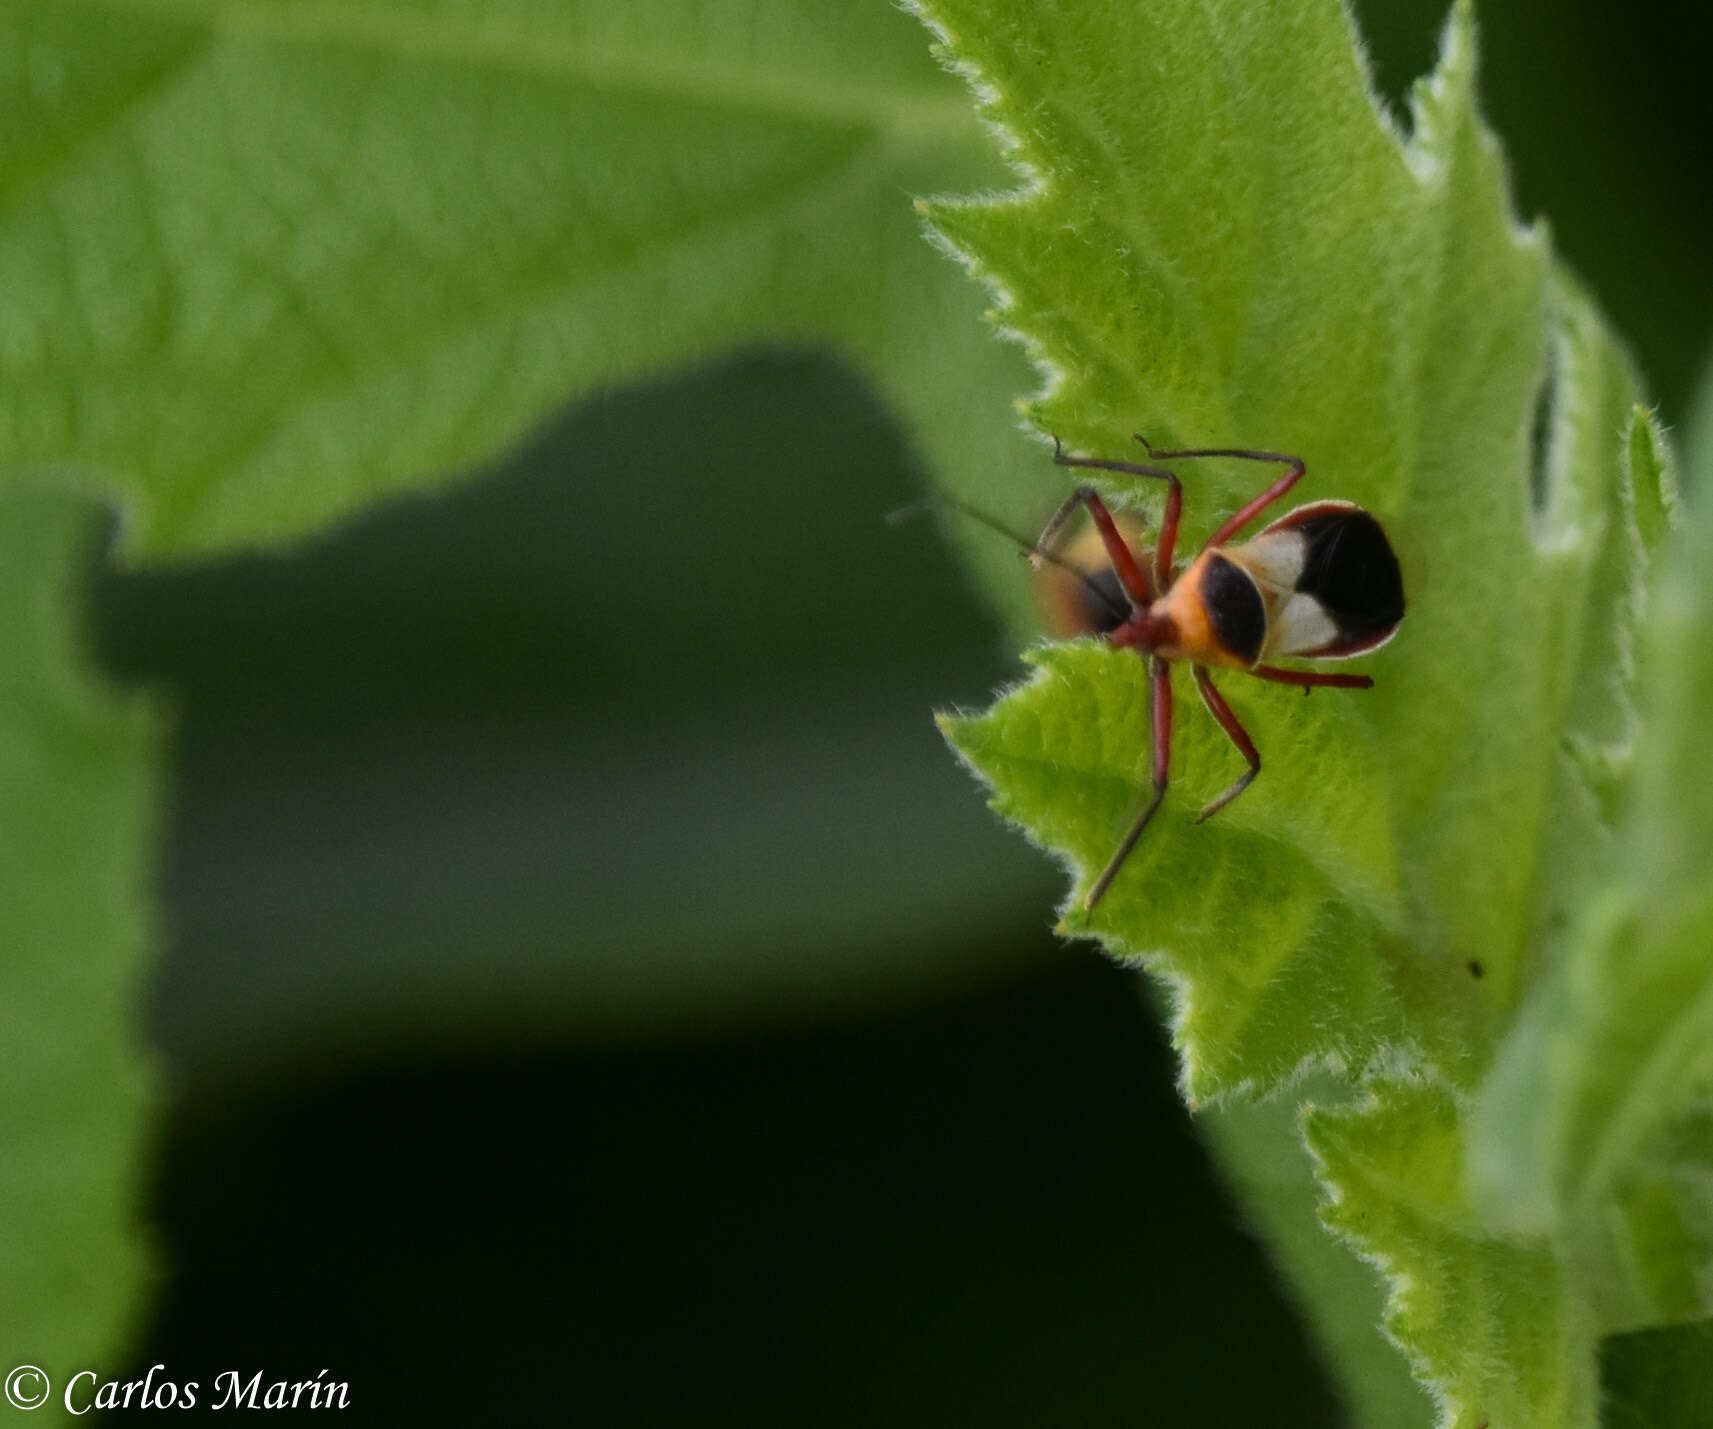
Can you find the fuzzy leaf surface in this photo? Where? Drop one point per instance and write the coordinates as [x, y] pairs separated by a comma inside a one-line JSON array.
[[1486, 1319], [1223, 241], [1195, 262]]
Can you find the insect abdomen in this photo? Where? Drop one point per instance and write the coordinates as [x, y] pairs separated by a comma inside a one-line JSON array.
[[1350, 569]]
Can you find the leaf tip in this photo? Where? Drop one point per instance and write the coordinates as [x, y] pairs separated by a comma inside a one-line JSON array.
[[1458, 45], [1443, 99], [954, 728]]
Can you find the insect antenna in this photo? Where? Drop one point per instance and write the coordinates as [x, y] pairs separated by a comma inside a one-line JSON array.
[[1119, 610]]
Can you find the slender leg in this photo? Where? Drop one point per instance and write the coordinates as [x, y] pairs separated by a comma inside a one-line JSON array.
[[1307, 678], [1166, 546], [1217, 707], [1130, 575], [1246, 513], [1160, 719]]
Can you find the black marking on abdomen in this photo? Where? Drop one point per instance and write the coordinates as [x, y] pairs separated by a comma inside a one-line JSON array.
[[1349, 567], [1234, 608]]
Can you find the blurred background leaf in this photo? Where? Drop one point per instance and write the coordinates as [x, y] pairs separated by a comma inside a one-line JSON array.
[[78, 810], [655, 788], [272, 261], [1658, 1379]]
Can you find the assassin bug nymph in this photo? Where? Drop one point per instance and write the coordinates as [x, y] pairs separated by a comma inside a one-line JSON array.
[[1319, 583]]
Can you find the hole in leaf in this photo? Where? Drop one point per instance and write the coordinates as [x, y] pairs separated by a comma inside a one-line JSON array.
[[1541, 425]]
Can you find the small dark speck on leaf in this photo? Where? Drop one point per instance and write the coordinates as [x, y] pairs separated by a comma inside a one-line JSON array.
[[1475, 969]]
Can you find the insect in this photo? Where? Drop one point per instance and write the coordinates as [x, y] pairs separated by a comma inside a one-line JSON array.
[[1319, 583]]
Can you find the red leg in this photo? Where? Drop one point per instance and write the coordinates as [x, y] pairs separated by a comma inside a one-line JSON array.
[[1166, 546], [1246, 513], [1130, 575], [1160, 719], [1307, 678], [1217, 707]]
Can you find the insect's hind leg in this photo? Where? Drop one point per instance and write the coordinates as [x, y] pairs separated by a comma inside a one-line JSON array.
[[1311, 679], [1228, 721], [1250, 510]]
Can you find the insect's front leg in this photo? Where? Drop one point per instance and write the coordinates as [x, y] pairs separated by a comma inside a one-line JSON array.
[[1166, 545], [1124, 564]]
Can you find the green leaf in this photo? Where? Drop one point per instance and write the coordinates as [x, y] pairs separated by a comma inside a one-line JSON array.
[[1260, 1145], [269, 262], [1352, 889], [1485, 1319], [1223, 242], [1597, 1124], [77, 791]]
